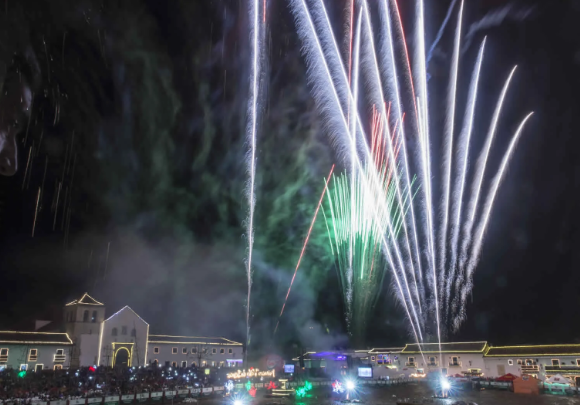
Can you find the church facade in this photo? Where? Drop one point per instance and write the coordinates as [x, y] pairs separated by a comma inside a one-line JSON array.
[[122, 339]]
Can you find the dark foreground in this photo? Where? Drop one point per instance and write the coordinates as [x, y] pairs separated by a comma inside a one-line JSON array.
[[420, 392]]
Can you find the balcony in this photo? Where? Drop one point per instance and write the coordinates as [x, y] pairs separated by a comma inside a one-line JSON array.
[[4, 358], [455, 364], [32, 357], [432, 364], [562, 369], [411, 364], [59, 358], [530, 369]]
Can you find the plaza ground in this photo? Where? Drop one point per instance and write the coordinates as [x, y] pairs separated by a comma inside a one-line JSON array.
[[417, 391]]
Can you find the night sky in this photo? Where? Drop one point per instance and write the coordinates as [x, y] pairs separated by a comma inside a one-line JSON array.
[[139, 114]]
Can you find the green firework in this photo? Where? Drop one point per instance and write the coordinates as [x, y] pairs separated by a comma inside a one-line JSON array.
[[358, 209]]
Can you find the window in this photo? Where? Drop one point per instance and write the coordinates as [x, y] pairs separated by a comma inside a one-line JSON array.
[[156, 350], [520, 362], [578, 362], [174, 350], [230, 351], [184, 350], [193, 364], [155, 361], [213, 363], [221, 363], [133, 332], [123, 330], [86, 315], [556, 362], [455, 360], [23, 367], [411, 359], [57, 367], [222, 351], [204, 363], [193, 350], [372, 358], [510, 362], [174, 364], [114, 332], [3, 352], [33, 355], [184, 364], [432, 360], [60, 352], [38, 368], [214, 351], [94, 317]]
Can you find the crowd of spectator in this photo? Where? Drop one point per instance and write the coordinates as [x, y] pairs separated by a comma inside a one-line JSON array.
[[100, 381]]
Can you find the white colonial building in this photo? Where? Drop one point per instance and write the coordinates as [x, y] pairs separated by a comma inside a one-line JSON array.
[[34, 350], [454, 358], [186, 351], [540, 361], [122, 339]]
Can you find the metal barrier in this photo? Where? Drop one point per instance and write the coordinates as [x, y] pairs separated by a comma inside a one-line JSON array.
[[176, 395]]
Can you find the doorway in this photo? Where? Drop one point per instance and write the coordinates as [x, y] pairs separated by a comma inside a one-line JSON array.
[[122, 357]]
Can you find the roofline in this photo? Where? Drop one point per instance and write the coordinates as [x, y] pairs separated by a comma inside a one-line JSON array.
[[198, 337], [484, 350], [70, 342], [84, 303], [125, 307], [533, 354], [193, 343]]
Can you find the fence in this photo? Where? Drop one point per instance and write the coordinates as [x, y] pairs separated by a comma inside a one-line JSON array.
[[176, 395]]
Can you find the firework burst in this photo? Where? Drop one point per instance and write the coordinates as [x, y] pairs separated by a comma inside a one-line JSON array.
[[428, 243]]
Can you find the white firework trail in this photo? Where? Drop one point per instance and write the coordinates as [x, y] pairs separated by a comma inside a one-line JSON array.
[[412, 252], [389, 61], [448, 154], [424, 141], [382, 101], [327, 97], [476, 249], [463, 154], [251, 134]]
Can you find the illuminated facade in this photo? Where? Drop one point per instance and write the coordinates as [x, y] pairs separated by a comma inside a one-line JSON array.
[[122, 339], [541, 361], [187, 351], [34, 350], [455, 358]]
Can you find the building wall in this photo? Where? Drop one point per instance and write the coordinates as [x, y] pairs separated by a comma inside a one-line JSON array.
[[492, 363], [466, 361], [74, 319], [124, 321], [88, 346], [19, 354], [165, 354]]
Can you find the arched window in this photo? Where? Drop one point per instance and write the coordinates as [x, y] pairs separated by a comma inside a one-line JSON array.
[[86, 315], [133, 332], [114, 332], [94, 318]]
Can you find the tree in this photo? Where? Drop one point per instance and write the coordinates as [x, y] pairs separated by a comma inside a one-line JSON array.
[[201, 353]]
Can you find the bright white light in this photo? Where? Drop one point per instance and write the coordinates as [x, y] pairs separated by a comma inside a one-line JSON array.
[[238, 402], [350, 385], [445, 385]]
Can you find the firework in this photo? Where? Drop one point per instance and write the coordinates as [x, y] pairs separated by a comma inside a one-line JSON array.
[[251, 133], [304, 246], [355, 232], [373, 220]]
